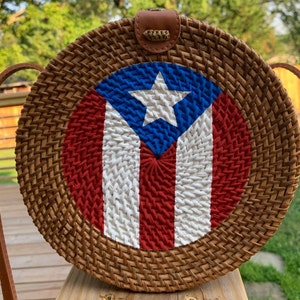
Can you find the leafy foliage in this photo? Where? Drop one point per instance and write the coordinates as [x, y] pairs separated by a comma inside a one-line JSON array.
[[289, 12], [41, 32], [35, 30]]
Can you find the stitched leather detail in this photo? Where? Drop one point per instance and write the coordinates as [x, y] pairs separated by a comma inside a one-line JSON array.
[[157, 20]]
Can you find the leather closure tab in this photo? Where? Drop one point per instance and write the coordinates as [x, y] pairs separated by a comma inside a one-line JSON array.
[[157, 31]]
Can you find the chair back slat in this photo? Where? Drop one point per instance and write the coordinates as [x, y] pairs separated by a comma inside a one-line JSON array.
[[7, 282]]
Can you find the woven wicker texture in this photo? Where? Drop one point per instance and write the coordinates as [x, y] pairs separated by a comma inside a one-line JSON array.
[[259, 197]]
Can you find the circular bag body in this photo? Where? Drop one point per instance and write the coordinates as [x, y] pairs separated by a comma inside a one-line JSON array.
[[157, 171]]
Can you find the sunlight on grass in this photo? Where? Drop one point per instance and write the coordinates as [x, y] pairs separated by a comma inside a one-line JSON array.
[[8, 163]]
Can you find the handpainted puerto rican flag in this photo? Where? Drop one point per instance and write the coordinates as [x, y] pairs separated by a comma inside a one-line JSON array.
[[156, 156]]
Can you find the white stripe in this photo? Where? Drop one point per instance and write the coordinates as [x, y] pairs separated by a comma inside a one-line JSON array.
[[121, 164], [193, 181]]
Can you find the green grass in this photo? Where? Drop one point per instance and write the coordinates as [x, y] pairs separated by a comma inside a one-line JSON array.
[[265, 298], [286, 243], [8, 163]]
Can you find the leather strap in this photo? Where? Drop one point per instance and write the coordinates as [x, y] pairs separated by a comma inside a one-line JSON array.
[[291, 68], [18, 67], [7, 282], [157, 31]]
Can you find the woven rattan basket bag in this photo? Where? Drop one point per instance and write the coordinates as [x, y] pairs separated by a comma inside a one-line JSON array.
[[157, 153]]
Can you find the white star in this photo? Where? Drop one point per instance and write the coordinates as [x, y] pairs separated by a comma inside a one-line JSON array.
[[159, 101]]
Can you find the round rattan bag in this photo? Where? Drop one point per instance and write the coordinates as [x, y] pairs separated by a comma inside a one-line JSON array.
[[157, 153]]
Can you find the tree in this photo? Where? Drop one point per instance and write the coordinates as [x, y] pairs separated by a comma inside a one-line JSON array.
[[10, 9], [247, 19], [37, 30], [289, 12], [41, 32]]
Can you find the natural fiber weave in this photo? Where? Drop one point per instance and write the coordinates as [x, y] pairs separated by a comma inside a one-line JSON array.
[[263, 201]]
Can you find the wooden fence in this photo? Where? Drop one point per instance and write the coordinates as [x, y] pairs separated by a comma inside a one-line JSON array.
[[10, 109], [292, 84]]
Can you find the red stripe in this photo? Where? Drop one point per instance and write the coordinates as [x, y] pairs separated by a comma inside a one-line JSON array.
[[157, 198], [82, 157], [231, 158]]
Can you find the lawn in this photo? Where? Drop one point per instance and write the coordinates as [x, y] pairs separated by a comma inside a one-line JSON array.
[[286, 243], [7, 163]]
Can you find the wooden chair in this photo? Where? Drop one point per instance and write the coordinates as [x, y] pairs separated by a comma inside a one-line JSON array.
[[7, 282], [80, 285]]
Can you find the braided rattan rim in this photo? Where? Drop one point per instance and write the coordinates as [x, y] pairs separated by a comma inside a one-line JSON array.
[[236, 69]]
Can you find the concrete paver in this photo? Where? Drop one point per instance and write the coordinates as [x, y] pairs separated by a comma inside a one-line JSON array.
[[268, 259], [264, 291]]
